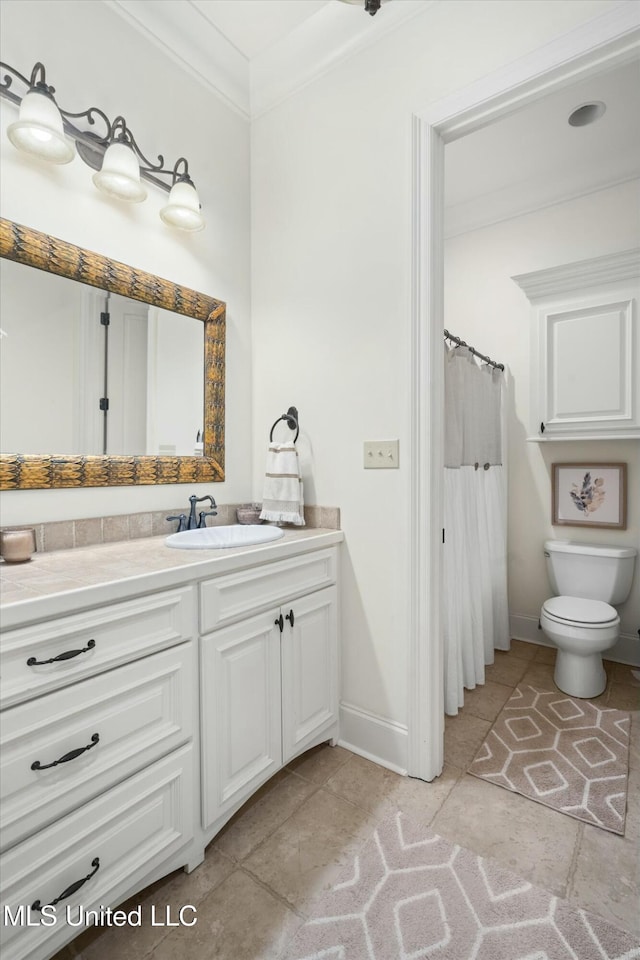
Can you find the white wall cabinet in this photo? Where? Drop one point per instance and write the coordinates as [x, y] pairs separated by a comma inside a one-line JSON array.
[[585, 349], [269, 688]]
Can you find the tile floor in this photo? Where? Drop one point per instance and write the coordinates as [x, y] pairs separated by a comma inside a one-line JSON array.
[[287, 844]]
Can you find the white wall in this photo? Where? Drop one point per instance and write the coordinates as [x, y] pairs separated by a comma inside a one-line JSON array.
[[38, 361], [486, 308], [93, 57], [331, 178], [179, 348]]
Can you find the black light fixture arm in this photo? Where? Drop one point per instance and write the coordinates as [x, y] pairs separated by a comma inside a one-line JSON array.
[[116, 131], [37, 81]]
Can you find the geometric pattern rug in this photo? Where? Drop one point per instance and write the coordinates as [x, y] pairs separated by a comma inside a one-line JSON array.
[[410, 894], [565, 753]]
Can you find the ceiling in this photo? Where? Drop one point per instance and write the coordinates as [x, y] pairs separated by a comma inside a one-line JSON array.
[[533, 157], [255, 53], [252, 26]]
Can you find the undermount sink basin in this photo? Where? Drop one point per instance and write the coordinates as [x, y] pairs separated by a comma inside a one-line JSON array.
[[220, 538]]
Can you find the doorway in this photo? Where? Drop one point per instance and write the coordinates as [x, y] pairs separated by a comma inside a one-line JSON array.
[[598, 46]]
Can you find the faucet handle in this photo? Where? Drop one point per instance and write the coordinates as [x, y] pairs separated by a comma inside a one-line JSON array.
[[182, 521], [203, 515]]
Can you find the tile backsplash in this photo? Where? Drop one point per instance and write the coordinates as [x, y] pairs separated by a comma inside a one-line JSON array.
[[66, 534]]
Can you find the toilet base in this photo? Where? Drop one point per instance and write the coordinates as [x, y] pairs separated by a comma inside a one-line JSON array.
[[580, 676]]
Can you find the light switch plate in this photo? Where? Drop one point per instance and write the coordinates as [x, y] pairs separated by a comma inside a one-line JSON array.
[[381, 454]]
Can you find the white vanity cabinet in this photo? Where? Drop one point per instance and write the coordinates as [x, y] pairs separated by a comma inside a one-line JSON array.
[[585, 349], [98, 771], [138, 715], [269, 681]]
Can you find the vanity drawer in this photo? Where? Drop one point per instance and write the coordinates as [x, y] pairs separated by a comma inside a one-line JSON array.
[[237, 595], [130, 830], [128, 718], [99, 639]]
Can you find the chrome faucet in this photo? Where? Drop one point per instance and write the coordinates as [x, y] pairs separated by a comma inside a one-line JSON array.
[[192, 522]]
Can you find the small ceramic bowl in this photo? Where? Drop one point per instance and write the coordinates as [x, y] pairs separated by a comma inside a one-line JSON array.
[[249, 513]]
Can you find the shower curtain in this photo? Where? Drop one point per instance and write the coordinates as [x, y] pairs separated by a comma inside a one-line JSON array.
[[475, 611]]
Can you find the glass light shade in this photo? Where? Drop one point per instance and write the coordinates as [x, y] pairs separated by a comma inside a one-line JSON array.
[[183, 208], [39, 131], [120, 174]]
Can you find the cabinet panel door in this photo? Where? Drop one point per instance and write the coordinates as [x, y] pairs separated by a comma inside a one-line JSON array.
[[309, 670], [241, 731], [588, 361]]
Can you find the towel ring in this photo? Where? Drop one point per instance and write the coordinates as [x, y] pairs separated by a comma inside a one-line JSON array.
[[291, 416]]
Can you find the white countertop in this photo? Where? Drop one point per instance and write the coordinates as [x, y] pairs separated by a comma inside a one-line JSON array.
[[64, 581]]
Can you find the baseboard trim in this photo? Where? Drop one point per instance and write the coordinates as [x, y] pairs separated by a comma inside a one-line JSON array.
[[375, 738], [626, 650]]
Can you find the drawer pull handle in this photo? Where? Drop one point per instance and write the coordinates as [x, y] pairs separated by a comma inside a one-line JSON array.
[[95, 863], [36, 765], [290, 617], [67, 655]]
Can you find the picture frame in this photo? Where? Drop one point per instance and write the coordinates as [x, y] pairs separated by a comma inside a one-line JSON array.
[[589, 494]]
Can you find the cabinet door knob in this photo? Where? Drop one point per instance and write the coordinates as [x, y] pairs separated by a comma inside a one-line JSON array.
[[290, 617], [279, 622], [541, 427]]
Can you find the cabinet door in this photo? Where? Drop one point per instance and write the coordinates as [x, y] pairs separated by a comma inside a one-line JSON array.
[[309, 669], [589, 362], [241, 726]]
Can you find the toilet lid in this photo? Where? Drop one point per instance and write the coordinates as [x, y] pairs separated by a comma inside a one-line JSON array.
[[579, 610]]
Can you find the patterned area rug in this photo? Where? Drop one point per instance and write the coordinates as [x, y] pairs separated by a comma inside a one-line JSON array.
[[410, 894], [568, 754]]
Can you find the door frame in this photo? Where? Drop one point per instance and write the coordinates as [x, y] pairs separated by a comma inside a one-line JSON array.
[[597, 46]]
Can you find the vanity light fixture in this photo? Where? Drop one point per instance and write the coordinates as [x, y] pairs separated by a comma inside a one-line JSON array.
[[39, 128], [45, 130], [119, 175], [183, 208]]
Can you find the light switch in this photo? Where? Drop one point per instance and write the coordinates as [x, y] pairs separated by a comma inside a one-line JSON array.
[[380, 454]]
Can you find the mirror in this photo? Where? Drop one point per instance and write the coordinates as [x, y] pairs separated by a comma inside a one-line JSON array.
[[159, 361]]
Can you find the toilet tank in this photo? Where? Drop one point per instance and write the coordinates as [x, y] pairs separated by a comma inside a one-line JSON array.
[[590, 570]]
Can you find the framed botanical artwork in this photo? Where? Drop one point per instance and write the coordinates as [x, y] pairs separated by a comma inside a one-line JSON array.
[[589, 495]]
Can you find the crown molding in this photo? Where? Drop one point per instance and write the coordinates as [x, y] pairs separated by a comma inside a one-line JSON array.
[[332, 35], [190, 40], [584, 273], [252, 87], [520, 199]]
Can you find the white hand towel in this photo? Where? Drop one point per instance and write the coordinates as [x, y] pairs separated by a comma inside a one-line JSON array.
[[282, 498]]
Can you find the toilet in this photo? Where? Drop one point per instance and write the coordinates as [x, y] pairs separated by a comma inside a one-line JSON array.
[[580, 620]]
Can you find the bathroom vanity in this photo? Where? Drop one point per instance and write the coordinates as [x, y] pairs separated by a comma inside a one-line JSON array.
[[142, 708]]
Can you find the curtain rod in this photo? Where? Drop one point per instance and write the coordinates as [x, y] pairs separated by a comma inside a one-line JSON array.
[[476, 353]]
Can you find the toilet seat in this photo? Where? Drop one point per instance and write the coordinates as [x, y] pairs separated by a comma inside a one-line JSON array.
[[578, 610]]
